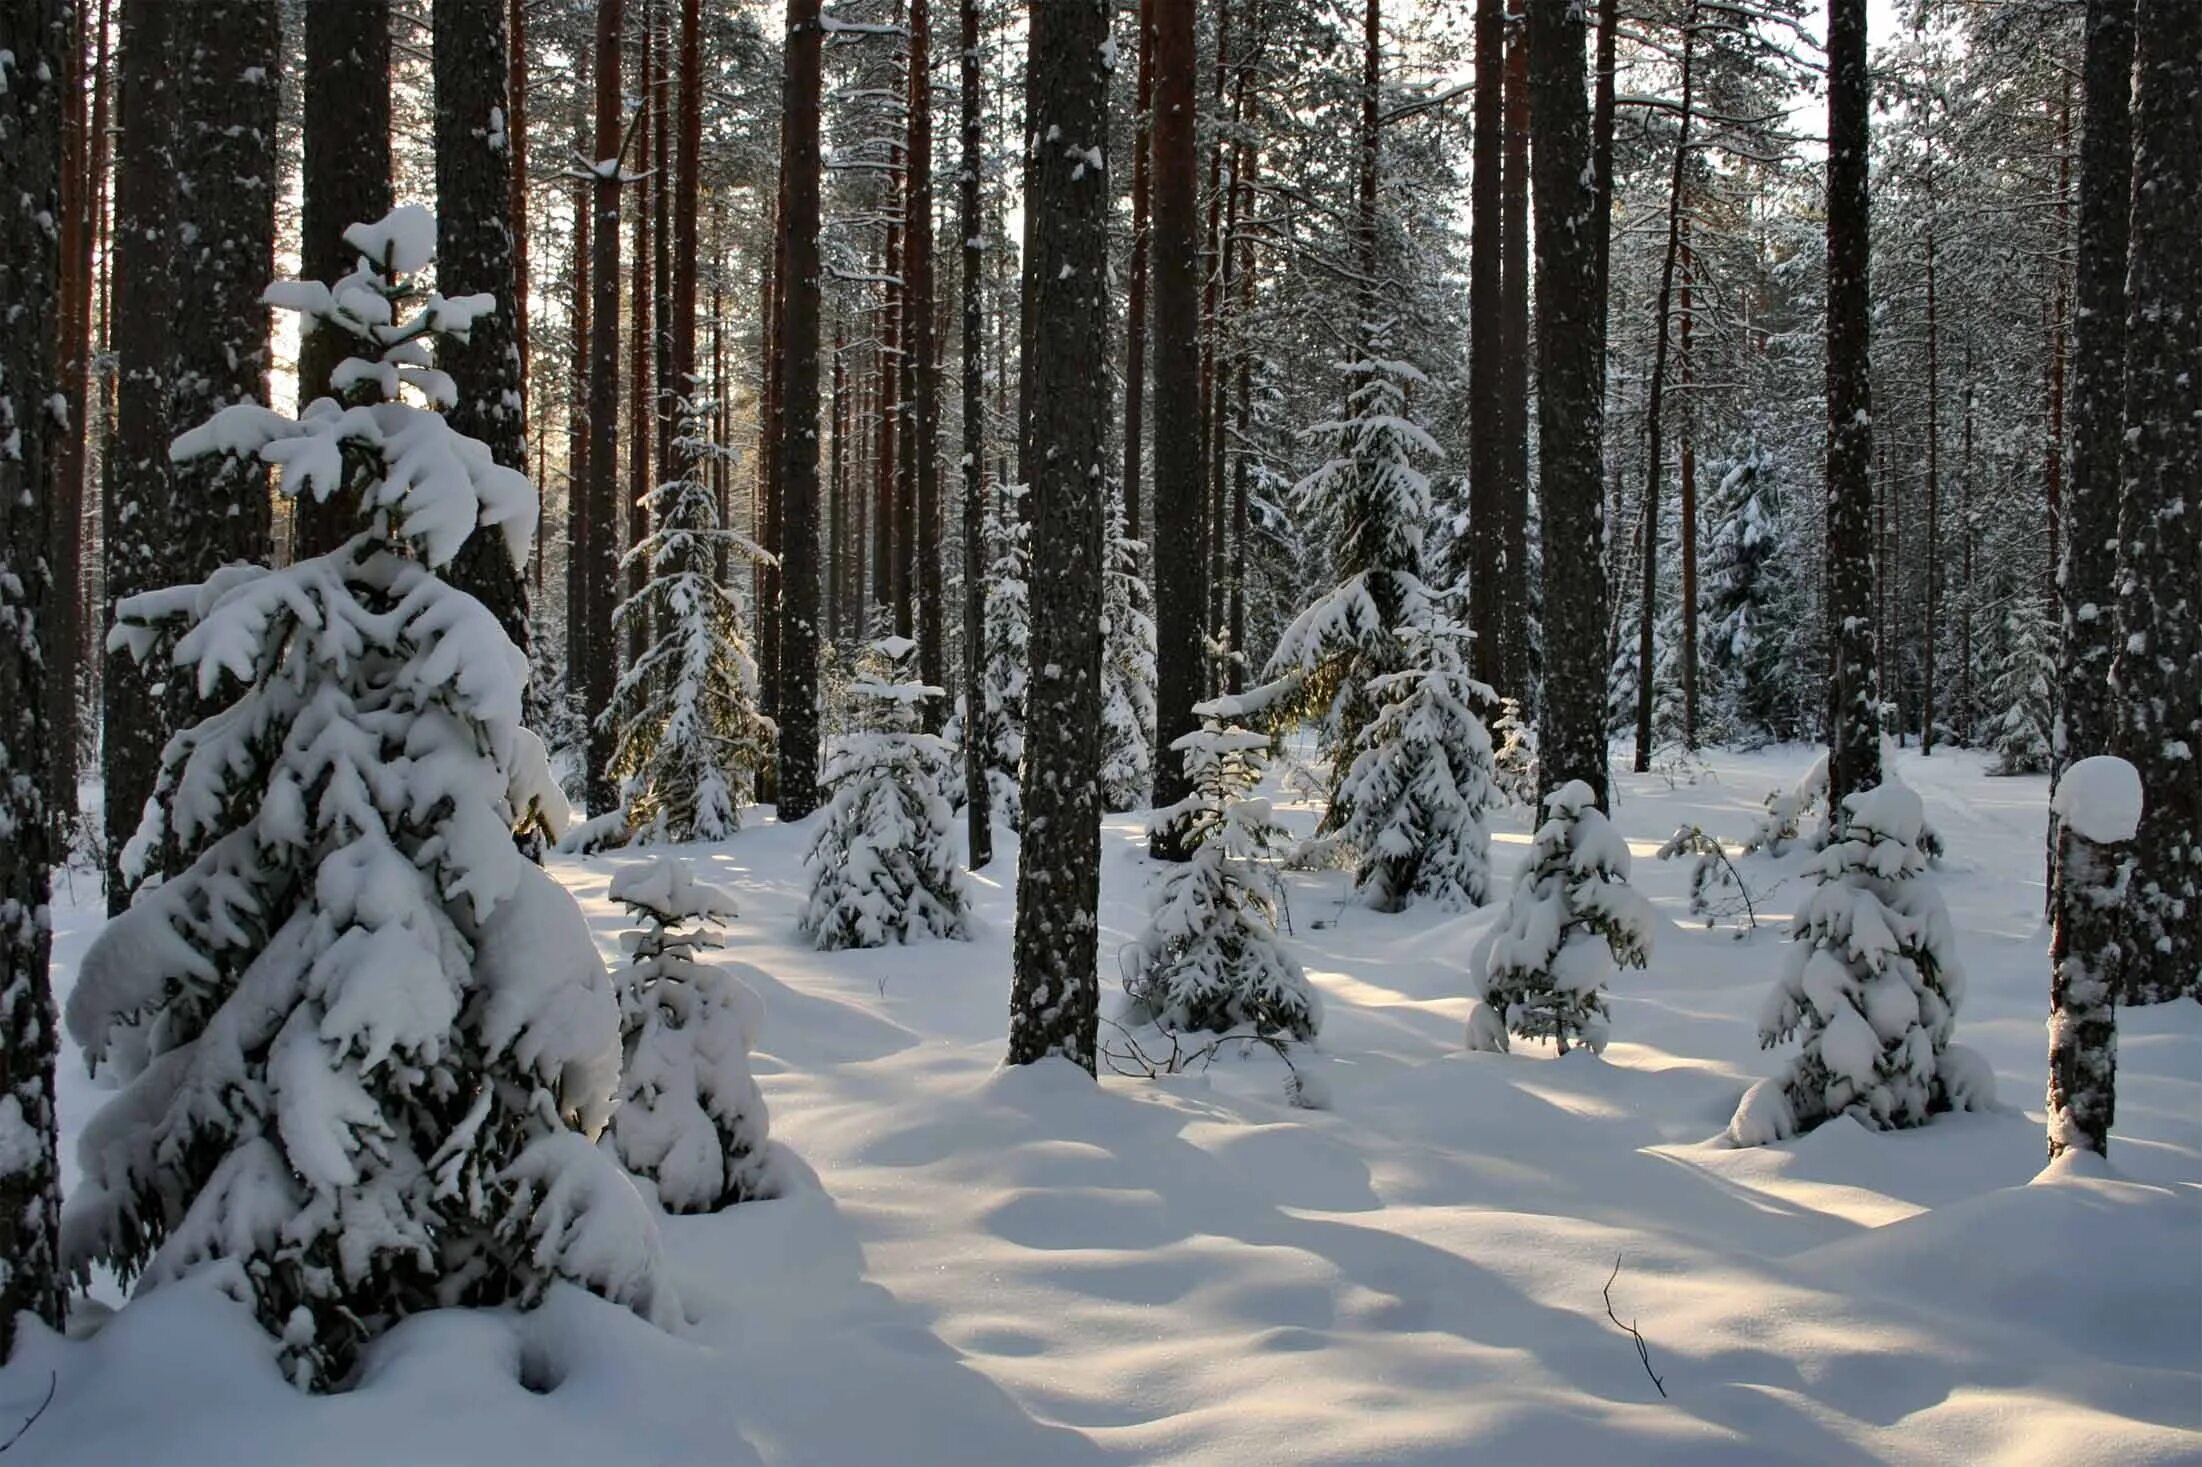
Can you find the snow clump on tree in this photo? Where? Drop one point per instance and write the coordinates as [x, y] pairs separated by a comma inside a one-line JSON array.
[[363, 1047], [1541, 972], [1872, 985], [1209, 958], [690, 1116], [883, 867]]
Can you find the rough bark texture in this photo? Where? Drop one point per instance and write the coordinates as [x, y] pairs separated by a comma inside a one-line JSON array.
[[2158, 670], [600, 568], [347, 182], [36, 34], [137, 506], [1480, 554], [1174, 264], [798, 486], [2086, 958], [474, 252], [978, 804], [1572, 741], [1513, 522], [1055, 1001], [1135, 308], [1854, 736]]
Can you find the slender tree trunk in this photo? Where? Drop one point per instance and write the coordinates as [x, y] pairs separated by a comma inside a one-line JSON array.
[[683, 382], [1686, 478], [1601, 153], [932, 633], [641, 330], [1175, 264], [2158, 668], [476, 253], [765, 521], [1513, 523], [34, 34], [346, 182], [888, 557], [82, 165], [2088, 582], [1242, 473], [798, 488], [516, 133], [1055, 1001], [2060, 312], [577, 397], [1854, 735], [138, 500], [1572, 743], [978, 801], [601, 572], [1135, 311], [1647, 665], [1211, 269], [1480, 554], [1931, 613]]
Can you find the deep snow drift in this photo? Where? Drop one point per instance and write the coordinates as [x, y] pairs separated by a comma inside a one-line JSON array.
[[1020, 1266]]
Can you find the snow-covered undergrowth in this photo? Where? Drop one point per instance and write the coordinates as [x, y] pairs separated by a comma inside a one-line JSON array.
[[973, 1265]]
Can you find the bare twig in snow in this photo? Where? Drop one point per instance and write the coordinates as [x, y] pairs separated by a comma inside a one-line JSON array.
[[1643, 1351]]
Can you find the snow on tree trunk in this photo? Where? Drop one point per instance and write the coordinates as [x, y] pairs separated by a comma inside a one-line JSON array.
[[1870, 988], [883, 864], [363, 1046], [795, 498], [1007, 673], [1054, 1007], [32, 99], [690, 1117], [1209, 958], [2098, 806], [1572, 918]]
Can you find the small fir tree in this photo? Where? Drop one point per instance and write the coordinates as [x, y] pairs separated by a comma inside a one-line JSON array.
[[1209, 958], [1514, 757], [1414, 802], [690, 1116], [1127, 673], [883, 865], [364, 1047], [1541, 972], [691, 739], [1750, 605], [2024, 687], [1008, 657], [1871, 985]]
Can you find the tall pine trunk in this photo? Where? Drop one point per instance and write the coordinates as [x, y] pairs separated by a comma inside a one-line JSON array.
[[1854, 735], [1174, 263], [1513, 524], [600, 571], [797, 784], [2158, 669], [1572, 742], [925, 366], [475, 253], [1055, 1001], [34, 34], [1135, 309], [1480, 553], [978, 811]]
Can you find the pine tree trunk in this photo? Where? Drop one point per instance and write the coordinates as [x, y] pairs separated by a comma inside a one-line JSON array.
[[925, 368], [582, 333], [1513, 525], [1647, 662], [516, 206], [1480, 554], [600, 572], [886, 591], [1572, 741], [83, 158], [347, 182], [1175, 309], [1930, 614], [2088, 582], [2158, 668], [2087, 960], [797, 495], [475, 253], [1135, 310], [1686, 485], [682, 381], [34, 34], [138, 504], [641, 331], [978, 801], [1055, 1003], [2060, 313], [1854, 735], [665, 391]]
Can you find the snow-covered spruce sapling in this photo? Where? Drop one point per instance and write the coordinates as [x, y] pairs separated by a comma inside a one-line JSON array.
[[1870, 988], [690, 736], [1413, 803], [883, 864], [1209, 958], [1127, 673], [2098, 810], [1572, 919], [690, 1117], [1783, 821], [363, 1047], [2023, 684], [1514, 754]]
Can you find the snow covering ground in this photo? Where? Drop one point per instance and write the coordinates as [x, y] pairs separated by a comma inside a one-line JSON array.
[[1021, 1266]]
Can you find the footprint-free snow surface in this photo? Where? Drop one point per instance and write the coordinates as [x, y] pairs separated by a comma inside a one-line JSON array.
[[983, 1265]]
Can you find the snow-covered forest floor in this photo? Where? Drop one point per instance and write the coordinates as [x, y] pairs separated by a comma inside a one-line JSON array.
[[1020, 1266]]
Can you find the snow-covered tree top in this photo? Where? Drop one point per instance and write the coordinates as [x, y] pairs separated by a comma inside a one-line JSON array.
[[1571, 798], [1889, 810], [404, 239], [2100, 798], [667, 888]]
